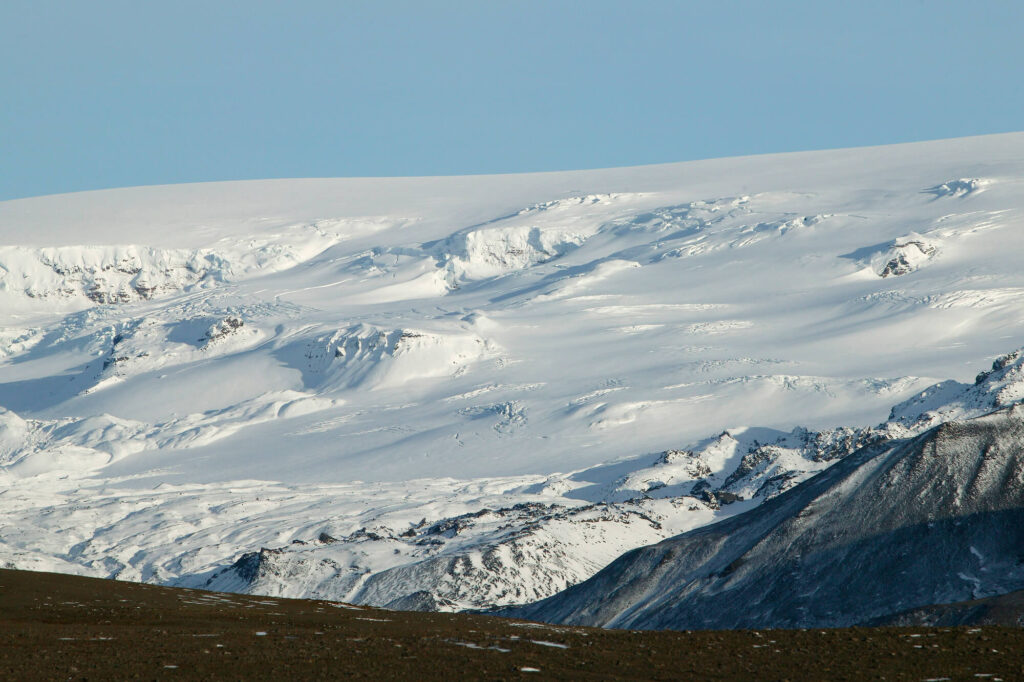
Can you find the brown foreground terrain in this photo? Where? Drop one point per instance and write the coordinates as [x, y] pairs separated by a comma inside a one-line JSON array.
[[63, 627]]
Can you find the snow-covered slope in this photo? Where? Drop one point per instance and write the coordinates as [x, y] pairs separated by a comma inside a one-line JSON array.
[[898, 525], [190, 373], [505, 556]]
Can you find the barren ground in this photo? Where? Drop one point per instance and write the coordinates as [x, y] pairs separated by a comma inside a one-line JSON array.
[[64, 627]]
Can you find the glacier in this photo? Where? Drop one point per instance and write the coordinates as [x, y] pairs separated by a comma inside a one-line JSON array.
[[925, 516], [474, 392]]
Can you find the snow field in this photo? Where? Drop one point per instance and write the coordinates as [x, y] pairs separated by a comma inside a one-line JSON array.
[[191, 373]]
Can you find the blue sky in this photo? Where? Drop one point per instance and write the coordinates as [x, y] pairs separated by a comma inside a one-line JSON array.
[[108, 94]]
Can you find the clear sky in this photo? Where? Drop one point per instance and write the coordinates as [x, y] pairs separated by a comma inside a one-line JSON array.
[[105, 94]]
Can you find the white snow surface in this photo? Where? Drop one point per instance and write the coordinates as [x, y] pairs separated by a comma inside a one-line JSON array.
[[189, 373]]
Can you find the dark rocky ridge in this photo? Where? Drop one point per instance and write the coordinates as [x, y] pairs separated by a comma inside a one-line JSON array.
[[1004, 609]]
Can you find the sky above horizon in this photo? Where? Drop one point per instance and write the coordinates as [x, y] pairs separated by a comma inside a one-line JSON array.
[[112, 94]]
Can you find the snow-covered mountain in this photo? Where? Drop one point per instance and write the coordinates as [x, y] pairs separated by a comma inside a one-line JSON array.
[[499, 557], [900, 524], [475, 391]]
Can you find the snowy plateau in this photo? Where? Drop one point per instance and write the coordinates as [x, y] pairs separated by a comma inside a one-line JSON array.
[[475, 392]]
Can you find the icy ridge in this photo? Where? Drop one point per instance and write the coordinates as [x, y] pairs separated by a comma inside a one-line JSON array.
[[130, 272]]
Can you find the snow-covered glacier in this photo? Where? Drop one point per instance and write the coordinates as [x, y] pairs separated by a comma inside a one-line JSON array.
[[469, 392], [930, 513]]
